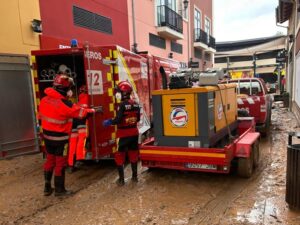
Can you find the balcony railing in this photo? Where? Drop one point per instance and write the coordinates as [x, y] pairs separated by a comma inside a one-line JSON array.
[[168, 17], [212, 42], [200, 36]]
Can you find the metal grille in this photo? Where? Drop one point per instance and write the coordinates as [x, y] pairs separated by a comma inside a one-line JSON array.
[[175, 47], [92, 21], [157, 41], [18, 128], [212, 42], [200, 36], [198, 53]]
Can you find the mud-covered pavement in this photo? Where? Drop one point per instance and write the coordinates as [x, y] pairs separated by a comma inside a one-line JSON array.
[[160, 197]]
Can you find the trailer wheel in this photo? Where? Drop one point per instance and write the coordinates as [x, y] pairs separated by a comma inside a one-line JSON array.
[[245, 166], [256, 154]]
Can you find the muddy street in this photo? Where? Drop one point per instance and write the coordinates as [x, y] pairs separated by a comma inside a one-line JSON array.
[[160, 197]]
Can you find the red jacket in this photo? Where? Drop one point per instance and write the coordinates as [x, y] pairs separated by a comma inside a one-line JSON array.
[[56, 113]]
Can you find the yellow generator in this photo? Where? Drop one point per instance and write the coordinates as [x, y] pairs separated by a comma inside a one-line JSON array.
[[198, 116]]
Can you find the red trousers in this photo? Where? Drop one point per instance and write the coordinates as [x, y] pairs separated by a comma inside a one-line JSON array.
[[72, 148], [77, 142], [120, 157], [56, 157]]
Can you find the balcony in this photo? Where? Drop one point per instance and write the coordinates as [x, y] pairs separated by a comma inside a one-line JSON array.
[[203, 41], [212, 44], [169, 23], [200, 39]]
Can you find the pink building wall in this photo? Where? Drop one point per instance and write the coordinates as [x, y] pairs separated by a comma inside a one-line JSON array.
[[206, 8], [145, 23]]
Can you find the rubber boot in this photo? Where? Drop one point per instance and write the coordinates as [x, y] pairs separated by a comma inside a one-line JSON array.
[[121, 181], [48, 189], [134, 172], [59, 182]]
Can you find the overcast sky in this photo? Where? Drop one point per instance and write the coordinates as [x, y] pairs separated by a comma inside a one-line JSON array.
[[244, 19]]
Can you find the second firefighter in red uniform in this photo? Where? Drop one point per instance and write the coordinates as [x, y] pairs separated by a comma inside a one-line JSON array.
[[128, 115], [77, 142]]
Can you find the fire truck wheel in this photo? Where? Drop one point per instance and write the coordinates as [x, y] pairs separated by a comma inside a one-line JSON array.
[[245, 166], [256, 154]]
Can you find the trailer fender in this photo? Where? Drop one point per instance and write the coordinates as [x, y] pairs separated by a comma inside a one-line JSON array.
[[243, 146]]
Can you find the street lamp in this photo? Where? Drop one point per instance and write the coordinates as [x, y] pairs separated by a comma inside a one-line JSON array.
[[185, 4]]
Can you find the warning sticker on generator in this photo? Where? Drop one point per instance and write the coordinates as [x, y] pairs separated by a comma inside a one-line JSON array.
[[94, 81], [179, 117], [220, 111]]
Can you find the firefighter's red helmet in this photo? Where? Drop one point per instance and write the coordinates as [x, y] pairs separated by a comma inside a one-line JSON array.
[[125, 87], [63, 81]]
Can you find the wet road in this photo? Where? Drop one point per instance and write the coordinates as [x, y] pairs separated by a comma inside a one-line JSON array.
[[161, 196]]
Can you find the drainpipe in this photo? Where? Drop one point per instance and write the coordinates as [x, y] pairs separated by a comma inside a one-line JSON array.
[[293, 87], [188, 32], [134, 46]]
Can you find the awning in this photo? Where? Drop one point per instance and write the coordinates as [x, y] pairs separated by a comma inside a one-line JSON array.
[[265, 70], [269, 46]]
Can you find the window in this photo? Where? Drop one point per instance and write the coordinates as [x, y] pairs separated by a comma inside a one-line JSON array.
[[164, 10], [246, 86], [197, 23], [197, 53], [92, 21], [157, 41], [207, 28], [170, 3], [175, 47]]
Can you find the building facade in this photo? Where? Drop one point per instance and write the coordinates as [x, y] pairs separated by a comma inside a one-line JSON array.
[[203, 44], [178, 29], [288, 10], [17, 34]]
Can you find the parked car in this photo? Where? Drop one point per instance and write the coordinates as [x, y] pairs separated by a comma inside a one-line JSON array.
[[253, 99]]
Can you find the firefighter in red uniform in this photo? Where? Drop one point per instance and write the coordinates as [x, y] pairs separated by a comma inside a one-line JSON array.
[[79, 133], [128, 115], [56, 113]]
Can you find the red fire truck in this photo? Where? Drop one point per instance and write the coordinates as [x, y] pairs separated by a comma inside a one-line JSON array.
[[100, 68]]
